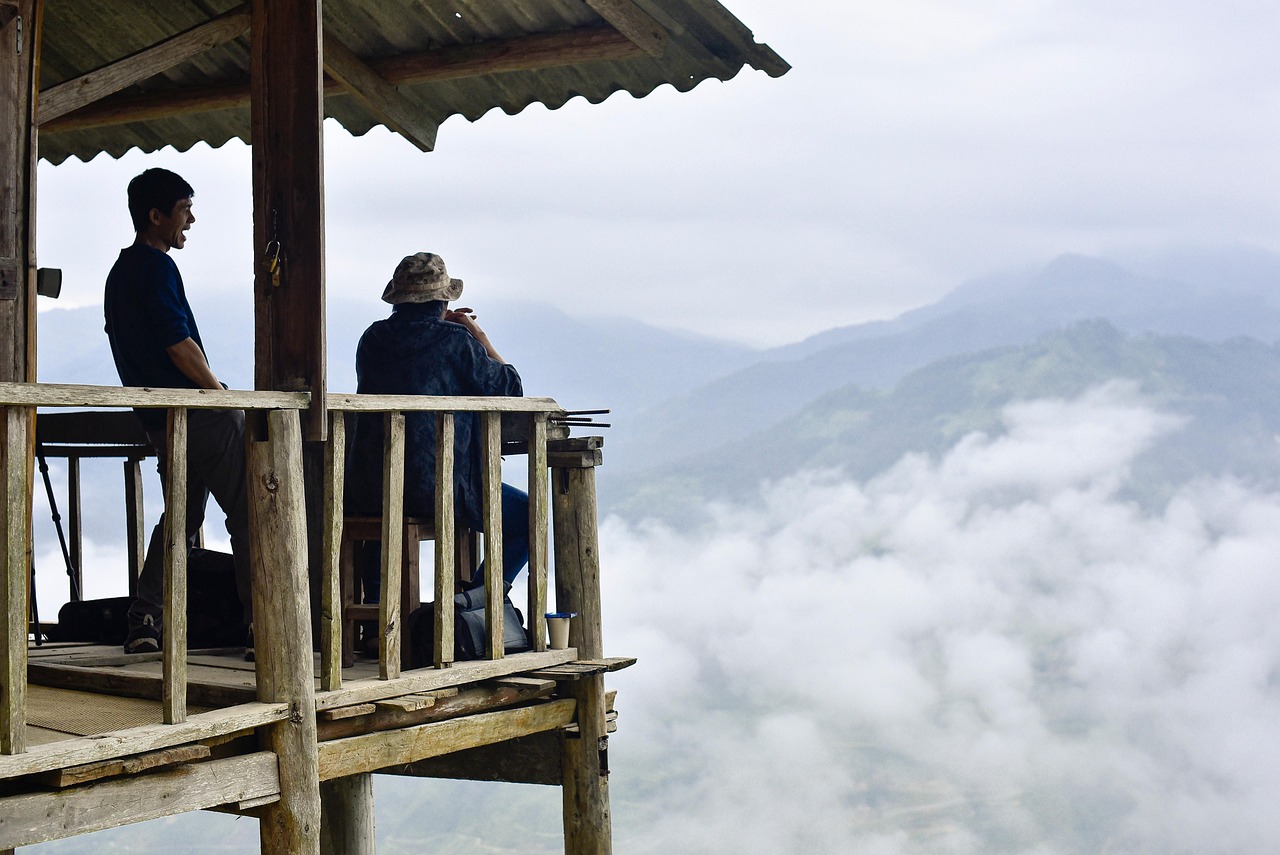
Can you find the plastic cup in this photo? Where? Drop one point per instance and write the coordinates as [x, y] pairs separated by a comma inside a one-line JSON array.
[[558, 629]]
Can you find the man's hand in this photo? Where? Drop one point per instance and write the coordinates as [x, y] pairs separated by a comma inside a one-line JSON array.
[[189, 359], [467, 317]]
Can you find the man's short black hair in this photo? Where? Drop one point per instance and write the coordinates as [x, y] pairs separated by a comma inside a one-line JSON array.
[[155, 188]]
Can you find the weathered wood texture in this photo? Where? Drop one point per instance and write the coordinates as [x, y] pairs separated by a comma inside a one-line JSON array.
[[577, 549], [490, 696], [38, 817], [446, 543], [539, 511], [174, 638], [434, 403], [393, 546], [588, 822], [288, 202], [346, 816], [429, 679], [19, 59], [491, 498], [634, 23], [138, 740], [534, 759], [134, 516], [330, 583], [381, 98], [15, 552], [376, 751], [161, 759], [525, 53], [282, 628], [67, 97], [72, 395]]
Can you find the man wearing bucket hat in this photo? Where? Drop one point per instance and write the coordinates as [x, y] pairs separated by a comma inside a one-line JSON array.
[[424, 348]]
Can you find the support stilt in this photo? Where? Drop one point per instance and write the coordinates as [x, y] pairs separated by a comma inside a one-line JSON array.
[[346, 817]]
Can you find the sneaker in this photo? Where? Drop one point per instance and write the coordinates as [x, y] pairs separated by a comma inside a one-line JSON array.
[[144, 638], [248, 646]]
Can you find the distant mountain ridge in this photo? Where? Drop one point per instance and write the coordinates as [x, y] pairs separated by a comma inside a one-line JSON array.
[[1228, 391], [1009, 308]]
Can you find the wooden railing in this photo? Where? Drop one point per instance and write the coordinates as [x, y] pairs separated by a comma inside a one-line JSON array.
[[535, 412], [17, 405], [533, 415]]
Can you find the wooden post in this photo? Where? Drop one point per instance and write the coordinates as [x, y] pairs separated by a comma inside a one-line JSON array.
[[15, 553], [288, 201], [491, 485], [447, 545], [135, 537], [393, 546], [176, 545], [282, 630], [330, 589], [539, 511], [577, 551], [346, 817], [19, 61], [587, 817]]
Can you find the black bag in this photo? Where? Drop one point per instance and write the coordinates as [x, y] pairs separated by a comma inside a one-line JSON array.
[[469, 636], [214, 615]]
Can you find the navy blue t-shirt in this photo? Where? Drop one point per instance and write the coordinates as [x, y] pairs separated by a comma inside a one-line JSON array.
[[147, 312]]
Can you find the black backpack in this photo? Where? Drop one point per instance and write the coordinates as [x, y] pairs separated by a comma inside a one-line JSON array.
[[469, 636]]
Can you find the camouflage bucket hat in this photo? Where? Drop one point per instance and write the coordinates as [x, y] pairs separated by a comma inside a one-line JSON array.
[[421, 278]]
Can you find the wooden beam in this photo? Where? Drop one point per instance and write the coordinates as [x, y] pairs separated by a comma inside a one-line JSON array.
[[331, 549], [71, 95], [381, 99], [534, 759], [390, 609], [15, 561], [429, 679], [487, 697], [72, 395], [634, 23], [375, 751], [75, 751], [84, 773], [288, 203], [446, 543], [19, 64], [491, 511], [539, 511], [282, 628], [524, 53], [346, 816], [176, 546], [588, 820], [39, 817]]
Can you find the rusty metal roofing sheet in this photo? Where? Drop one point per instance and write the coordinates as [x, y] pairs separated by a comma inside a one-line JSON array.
[[704, 41]]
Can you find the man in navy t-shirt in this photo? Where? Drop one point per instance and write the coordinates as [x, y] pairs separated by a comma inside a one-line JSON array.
[[155, 342]]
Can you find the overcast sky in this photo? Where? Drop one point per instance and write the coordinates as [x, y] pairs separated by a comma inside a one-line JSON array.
[[914, 144]]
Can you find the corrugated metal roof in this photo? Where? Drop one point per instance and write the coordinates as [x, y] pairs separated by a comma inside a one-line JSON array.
[[704, 41]]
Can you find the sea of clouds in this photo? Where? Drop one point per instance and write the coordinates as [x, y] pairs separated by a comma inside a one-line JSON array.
[[993, 651], [988, 652]]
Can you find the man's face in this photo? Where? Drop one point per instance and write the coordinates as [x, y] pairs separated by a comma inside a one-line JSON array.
[[171, 228]]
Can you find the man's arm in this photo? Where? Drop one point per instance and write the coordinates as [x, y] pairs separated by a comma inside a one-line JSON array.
[[189, 359], [467, 318]]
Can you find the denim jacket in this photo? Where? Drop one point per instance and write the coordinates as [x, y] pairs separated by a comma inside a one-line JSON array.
[[414, 352]]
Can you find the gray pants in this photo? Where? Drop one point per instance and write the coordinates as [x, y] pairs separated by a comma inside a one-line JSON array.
[[215, 465]]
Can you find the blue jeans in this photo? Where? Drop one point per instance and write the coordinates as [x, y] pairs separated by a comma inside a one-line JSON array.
[[515, 547]]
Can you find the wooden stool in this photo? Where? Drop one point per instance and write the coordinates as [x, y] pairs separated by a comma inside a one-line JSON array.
[[415, 531]]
